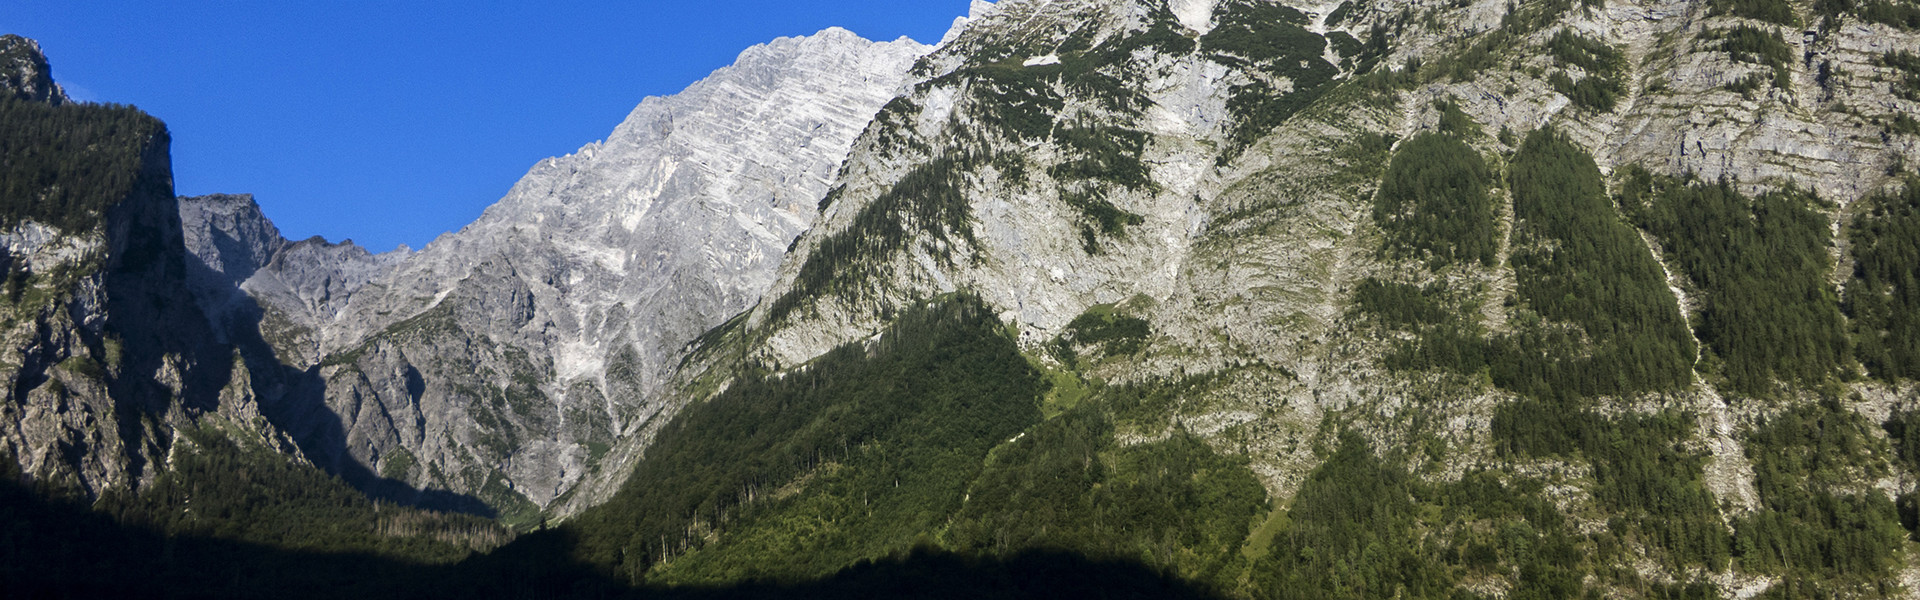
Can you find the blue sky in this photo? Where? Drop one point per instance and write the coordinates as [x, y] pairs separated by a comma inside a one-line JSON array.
[[392, 122]]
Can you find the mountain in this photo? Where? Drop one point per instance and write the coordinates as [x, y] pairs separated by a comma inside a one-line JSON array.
[[125, 410], [1384, 309], [504, 361], [1265, 299], [104, 362]]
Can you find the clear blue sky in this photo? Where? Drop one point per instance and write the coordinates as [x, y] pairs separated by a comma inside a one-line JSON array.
[[391, 122]]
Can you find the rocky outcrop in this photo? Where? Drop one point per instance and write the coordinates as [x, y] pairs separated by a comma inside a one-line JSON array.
[[229, 235], [109, 355], [24, 73]]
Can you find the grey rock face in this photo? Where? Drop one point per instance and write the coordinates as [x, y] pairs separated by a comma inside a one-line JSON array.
[[507, 358], [227, 240], [228, 234], [247, 277], [24, 72], [1040, 250], [311, 281]]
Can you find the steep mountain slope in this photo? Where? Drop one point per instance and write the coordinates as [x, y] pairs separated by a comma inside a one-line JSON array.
[[105, 361], [1351, 300], [121, 398], [501, 362], [1565, 306]]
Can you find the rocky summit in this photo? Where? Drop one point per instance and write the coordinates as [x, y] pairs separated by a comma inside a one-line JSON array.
[[504, 361], [1190, 298]]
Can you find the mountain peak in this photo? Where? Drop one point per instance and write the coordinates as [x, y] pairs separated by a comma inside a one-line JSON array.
[[24, 72]]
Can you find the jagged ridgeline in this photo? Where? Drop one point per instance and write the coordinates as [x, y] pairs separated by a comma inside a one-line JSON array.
[[1188, 298], [1067, 108], [132, 455]]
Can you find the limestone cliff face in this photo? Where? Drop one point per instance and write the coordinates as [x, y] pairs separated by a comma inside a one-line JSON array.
[[505, 360], [1241, 236]]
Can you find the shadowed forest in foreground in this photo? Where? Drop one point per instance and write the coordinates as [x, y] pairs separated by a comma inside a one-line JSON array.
[[51, 549]]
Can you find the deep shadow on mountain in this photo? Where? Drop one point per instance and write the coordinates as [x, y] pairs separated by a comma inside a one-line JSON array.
[[295, 401], [54, 549], [292, 399]]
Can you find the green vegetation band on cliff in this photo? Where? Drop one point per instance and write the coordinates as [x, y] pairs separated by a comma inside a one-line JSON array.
[[66, 165]]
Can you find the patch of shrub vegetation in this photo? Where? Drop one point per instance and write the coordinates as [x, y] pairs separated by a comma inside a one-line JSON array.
[[893, 129], [1102, 157], [1098, 218], [1020, 103], [1108, 154], [1100, 327], [1898, 14], [1578, 264], [879, 440], [1747, 85], [1351, 533], [1655, 490], [398, 463], [1599, 89], [1755, 45], [1771, 11], [1520, 21], [1906, 66], [218, 489], [1760, 264], [1149, 406], [64, 166], [1273, 39], [1903, 427], [1456, 122], [1362, 527], [1433, 203], [1175, 504], [926, 201], [1883, 295], [1402, 306], [1346, 47], [1592, 313], [1900, 124], [1817, 525]]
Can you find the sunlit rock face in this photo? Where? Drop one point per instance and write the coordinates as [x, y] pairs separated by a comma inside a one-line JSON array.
[[502, 361]]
